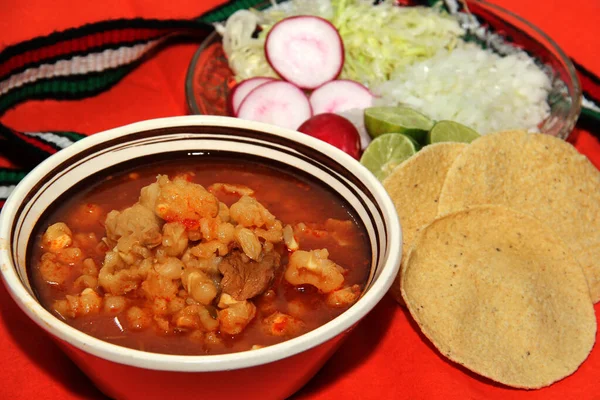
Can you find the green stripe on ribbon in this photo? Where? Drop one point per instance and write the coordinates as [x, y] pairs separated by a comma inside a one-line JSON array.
[[223, 12], [590, 113], [82, 86], [9, 176], [74, 136], [69, 87]]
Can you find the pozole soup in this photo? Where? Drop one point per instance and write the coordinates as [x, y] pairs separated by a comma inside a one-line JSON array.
[[199, 255]]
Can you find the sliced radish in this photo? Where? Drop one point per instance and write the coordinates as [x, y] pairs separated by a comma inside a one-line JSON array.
[[279, 103], [241, 90], [305, 50], [340, 95]]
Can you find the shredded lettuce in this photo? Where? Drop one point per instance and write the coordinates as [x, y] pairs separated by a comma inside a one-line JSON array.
[[379, 40]]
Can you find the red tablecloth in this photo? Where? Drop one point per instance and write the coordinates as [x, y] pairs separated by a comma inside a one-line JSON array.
[[385, 357]]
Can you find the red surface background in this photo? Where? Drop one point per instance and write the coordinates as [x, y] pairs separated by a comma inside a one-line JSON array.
[[385, 357]]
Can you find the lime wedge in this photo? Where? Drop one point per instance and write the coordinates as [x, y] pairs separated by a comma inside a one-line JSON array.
[[386, 152], [380, 120], [450, 131]]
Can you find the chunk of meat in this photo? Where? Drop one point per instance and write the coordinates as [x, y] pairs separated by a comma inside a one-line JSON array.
[[315, 268], [244, 278], [183, 201]]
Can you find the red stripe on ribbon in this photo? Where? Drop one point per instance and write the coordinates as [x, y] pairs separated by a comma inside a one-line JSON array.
[[79, 45]]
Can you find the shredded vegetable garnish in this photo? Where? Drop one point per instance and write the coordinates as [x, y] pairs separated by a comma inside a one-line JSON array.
[[382, 39], [411, 56], [475, 87], [378, 39], [246, 54]]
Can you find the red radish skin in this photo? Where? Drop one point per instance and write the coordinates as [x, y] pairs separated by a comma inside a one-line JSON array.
[[241, 90], [340, 95], [305, 50], [278, 103], [335, 130]]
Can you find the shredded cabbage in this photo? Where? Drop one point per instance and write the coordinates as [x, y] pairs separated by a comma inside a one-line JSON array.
[[245, 54], [379, 40]]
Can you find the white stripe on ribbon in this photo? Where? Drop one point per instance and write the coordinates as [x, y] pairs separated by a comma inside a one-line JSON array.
[[5, 191], [79, 65], [50, 137], [590, 104]]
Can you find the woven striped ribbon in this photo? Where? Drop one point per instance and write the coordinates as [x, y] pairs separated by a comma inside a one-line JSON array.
[[82, 62], [79, 63]]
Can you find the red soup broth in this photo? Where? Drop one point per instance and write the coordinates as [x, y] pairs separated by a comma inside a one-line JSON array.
[[290, 195]]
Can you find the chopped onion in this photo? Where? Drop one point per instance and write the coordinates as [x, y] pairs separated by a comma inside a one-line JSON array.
[[475, 87]]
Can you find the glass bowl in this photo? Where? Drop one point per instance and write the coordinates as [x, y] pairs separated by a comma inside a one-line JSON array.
[[209, 78]]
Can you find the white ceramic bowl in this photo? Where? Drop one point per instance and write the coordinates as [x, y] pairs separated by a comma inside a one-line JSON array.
[[275, 371]]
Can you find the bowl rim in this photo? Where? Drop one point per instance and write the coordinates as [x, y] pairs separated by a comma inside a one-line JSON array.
[[203, 363], [576, 94]]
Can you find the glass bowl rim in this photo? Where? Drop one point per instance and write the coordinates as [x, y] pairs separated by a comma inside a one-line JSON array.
[[575, 94]]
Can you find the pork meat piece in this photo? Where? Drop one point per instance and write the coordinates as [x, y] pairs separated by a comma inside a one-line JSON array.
[[244, 278]]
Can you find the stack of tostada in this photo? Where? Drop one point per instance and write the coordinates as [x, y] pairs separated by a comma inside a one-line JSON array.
[[501, 253]]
